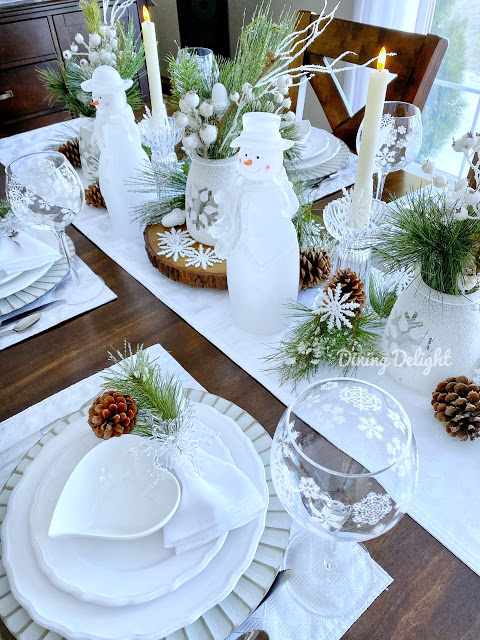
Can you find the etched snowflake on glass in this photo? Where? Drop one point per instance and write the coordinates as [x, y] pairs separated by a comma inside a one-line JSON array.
[[371, 509]]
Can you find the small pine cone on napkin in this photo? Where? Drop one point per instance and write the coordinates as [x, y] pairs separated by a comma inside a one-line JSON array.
[[315, 266], [93, 196], [72, 152], [350, 283], [456, 402], [112, 414]]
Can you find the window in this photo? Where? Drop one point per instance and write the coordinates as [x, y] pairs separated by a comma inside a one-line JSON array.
[[453, 106]]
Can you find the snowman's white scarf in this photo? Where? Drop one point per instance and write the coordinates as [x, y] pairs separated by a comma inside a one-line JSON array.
[[228, 228]]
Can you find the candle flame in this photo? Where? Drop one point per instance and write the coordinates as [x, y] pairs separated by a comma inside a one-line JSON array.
[[382, 58], [146, 15]]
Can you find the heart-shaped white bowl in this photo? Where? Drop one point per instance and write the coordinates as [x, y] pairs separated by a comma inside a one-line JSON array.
[[116, 492]]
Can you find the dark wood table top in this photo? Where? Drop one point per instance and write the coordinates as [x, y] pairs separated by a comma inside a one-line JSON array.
[[434, 596]]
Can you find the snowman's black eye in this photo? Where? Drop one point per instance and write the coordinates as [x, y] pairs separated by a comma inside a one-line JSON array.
[[246, 155], [258, 157]]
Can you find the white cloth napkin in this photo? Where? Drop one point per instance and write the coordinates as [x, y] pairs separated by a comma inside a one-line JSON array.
[[24, 252], [217, 499]]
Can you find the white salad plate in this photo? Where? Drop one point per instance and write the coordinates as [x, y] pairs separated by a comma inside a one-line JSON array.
[[62, 613], [326, 167], [315, 144], [107, 572], [114, 492]]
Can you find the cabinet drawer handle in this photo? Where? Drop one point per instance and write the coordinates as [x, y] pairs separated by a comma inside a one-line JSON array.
[[6, 95]]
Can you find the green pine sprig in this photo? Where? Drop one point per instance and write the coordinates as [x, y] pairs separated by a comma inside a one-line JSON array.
[[421, 232], [92, 15], [382, 295], [310, 344], [4, 209], [160, 398]]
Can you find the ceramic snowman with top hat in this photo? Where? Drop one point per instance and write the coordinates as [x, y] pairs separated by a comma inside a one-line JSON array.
[[255, 230], [121, 152]]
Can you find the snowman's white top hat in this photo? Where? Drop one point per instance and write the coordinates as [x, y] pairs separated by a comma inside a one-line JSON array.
[[106, 79], [262, 131]]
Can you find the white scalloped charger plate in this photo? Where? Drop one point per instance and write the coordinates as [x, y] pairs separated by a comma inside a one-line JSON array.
[[325, 167], [110, 572], [217, 620]]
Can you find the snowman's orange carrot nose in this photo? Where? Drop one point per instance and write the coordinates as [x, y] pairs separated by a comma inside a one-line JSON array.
[[248, 162], [94, 103]]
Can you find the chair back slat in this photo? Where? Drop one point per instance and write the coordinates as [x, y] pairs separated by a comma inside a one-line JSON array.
[[415, 64]]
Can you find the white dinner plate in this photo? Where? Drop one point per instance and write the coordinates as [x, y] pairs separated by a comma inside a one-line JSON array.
[[333, 164], [332, 148], [23, 280], [109, 572], [20, 281], [41, 285], [64, 614]]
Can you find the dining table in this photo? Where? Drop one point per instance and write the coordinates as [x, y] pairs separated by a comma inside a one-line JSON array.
[[434, 596]]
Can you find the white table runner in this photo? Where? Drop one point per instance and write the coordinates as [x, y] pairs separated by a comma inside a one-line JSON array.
[[449, 510], [18, 434]]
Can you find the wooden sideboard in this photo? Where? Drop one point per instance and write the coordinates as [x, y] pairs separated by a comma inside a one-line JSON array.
[[33, 35]]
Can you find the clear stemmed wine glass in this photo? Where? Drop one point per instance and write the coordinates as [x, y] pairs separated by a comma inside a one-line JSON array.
[[400, 139], [45, 192], [344, 465]]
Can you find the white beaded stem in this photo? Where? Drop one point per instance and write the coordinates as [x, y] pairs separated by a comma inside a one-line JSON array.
[[225, 617]]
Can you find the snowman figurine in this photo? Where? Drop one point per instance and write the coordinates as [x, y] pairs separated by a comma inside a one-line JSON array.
[[255, 231], [121, 152]]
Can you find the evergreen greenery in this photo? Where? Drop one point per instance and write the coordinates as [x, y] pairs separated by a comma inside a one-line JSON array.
[[64, 82], [311, 344], [92, 14], [420, 232], [250, 62], [160, 398], [382, 296], [4, 209]]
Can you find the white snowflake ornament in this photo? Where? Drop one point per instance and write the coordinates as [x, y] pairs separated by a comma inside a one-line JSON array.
[[201, 257], [174, 243], [334, 308]]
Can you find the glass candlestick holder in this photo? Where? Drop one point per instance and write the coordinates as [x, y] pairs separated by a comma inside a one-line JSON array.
[[355, 243], [161, 139]]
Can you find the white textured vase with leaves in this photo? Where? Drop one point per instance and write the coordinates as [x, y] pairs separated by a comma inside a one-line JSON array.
[[205, 178], [431, 336], [89, 152]]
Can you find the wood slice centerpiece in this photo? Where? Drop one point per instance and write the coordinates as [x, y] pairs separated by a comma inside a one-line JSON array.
[[213, 277]]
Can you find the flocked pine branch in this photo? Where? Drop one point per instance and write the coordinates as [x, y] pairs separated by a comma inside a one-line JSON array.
[[169, 183]]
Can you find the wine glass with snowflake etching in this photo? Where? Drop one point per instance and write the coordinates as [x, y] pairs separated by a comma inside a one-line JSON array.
[[344, 465], [399, 142]]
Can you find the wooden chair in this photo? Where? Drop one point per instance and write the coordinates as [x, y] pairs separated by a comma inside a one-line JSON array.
[[416, 64]]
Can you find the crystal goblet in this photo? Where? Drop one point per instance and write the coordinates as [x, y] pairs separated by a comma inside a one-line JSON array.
[[344, 465], [45, 192], [399, 142]]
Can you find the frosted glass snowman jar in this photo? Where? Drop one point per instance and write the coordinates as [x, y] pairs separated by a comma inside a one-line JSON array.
[[205, 178], [121, 152], [431, 336], [255, 231]]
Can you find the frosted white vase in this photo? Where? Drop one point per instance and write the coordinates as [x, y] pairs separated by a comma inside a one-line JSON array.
[[430, 336], [205, 178], [89, 153]]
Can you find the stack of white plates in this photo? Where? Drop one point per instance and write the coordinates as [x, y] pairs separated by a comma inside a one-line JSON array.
[[26, 287], [99, 589], [323, 154]]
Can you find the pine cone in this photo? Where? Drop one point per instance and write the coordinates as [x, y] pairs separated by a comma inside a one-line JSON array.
[[112, 414], [72, 152], [351, 284], [315, 266], [456, 402], [93, 196]]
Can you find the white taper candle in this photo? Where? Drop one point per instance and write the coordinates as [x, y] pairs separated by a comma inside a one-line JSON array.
[[377, 88], [153, 67]]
